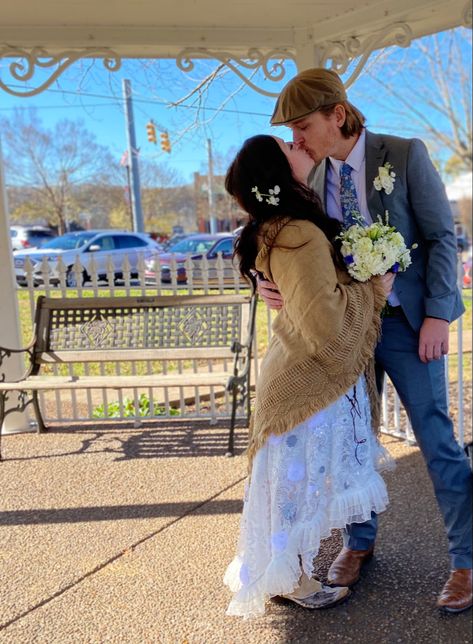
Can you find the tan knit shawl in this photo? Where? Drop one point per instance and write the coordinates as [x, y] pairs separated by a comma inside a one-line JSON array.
[[323, 338]]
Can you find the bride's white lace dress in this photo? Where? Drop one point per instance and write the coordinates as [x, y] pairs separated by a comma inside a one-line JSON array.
[[323, 474]]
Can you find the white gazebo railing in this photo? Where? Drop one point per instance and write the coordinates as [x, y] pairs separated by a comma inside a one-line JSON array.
[[200, 277]]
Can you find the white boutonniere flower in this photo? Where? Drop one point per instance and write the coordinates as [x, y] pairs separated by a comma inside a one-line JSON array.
[[385, 179]]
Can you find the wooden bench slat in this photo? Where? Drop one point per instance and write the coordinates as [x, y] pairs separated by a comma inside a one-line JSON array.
[[43, 383], [164, 301], [126, 355]]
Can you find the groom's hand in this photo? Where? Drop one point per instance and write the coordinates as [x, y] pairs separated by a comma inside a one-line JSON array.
[[270, 294], [433, 339]]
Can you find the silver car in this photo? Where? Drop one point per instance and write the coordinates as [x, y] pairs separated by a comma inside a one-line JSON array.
[[102, 245]]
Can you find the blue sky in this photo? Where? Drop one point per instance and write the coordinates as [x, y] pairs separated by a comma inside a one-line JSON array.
[[99, 104], [88, 92]]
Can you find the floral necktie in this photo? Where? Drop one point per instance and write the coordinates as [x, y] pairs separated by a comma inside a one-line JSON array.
[[349, 201]]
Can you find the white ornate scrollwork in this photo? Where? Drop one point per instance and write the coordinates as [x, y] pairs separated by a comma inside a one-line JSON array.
[[338, 55], [28, 62], [335, 55], [270, 63]]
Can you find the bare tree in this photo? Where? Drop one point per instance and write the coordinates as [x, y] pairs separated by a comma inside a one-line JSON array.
[[164, 198], [426, 91], [51, 163]]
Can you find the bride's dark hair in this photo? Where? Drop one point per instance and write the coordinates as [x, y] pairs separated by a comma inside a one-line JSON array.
[[263, 164]]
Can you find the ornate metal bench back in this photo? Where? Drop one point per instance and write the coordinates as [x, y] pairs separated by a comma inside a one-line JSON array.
[[165, 322]]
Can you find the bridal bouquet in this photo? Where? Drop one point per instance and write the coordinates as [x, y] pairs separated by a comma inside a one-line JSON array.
[[374, 250]]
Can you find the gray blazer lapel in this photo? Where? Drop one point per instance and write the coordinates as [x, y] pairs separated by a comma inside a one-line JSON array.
[[317, 181], [375, 155]]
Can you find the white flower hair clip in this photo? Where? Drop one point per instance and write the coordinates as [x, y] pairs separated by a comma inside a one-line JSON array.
[[385, 179], [272, 192]]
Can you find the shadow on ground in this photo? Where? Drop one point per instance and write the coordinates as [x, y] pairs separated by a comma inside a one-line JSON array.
[[154, 440]]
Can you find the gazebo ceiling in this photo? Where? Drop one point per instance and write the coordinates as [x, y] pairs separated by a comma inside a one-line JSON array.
[[329, 33], [162, 28]]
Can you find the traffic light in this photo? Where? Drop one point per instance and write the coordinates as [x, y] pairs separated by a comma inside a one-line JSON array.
[[151, 132], [165, 143]]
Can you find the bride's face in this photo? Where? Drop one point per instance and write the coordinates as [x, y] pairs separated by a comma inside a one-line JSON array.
[[300, 162]]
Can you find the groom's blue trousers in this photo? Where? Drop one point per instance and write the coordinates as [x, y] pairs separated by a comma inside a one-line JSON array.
[[422, 390]]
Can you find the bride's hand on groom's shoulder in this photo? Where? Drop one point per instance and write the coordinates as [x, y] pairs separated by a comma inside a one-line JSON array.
[[269, 293]]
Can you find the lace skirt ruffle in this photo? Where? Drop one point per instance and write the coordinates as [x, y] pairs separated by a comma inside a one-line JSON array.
[[282, 573], [304, 484]]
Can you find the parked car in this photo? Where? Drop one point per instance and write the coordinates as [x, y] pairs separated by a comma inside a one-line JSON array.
[[196, 246], [172, 241], [99, 244], [30, 236]]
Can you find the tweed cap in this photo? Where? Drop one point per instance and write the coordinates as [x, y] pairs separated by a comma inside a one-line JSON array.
[[307, 92]]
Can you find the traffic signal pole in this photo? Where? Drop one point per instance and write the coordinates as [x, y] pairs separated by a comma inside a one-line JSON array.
[[135, 196]]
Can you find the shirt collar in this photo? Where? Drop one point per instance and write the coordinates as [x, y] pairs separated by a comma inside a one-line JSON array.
[[356, 156]]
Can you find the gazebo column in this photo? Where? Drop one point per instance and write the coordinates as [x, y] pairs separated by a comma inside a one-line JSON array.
[[10, 332], [308, 54]]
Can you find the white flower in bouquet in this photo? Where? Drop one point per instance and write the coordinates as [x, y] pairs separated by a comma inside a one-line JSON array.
[[374, 250]]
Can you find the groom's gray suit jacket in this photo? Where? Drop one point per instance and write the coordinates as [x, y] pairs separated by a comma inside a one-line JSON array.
[[418, 207]]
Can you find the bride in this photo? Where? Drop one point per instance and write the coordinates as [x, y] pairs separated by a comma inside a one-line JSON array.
[[314, 458]]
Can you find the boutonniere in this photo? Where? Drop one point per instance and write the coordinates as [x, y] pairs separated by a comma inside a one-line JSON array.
[[385, 179]]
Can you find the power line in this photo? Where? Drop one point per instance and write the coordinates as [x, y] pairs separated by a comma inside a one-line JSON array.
[[51, 107], [115, 101]]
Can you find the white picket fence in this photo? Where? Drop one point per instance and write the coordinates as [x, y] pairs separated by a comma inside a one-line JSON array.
[[202, 277]]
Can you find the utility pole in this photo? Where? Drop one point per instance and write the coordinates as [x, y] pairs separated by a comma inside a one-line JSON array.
[[128, 183], [210, 189], [135, 194]]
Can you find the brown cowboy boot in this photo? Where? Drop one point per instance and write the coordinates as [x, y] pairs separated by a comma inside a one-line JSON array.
[[345, 570], [456, 595]]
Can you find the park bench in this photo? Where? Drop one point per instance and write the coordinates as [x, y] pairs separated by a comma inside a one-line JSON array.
[[199, 328]]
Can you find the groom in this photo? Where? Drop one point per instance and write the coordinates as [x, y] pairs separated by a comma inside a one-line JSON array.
[[375, 173]]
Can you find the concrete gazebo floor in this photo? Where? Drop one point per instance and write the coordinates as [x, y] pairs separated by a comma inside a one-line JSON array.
[[123, 535]]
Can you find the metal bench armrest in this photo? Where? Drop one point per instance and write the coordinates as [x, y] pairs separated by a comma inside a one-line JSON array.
[[6, 352], [242, 351]]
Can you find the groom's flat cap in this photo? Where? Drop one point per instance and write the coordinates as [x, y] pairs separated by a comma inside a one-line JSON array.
[[307, 92]]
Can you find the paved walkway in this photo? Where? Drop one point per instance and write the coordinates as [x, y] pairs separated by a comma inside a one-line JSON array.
[[123, 537]]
